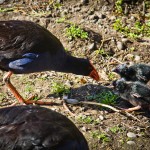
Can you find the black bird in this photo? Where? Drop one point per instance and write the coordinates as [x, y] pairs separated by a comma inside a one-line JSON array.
[[136, 72], [26, 47], [38, 128], [137, 93]]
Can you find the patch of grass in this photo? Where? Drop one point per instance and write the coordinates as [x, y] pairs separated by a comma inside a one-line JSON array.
[[115, 129], [76, 32], [101, 52], [2, 96], [61, 20], [85, 119], [6, 9], [28, 88], [132, 49], [138, 30], [57, 5], [40, 13], [59, 88], [118, 5], [111, 76], [100, 136], [66, 49], [104, 97], [43, 78], [36, 98]]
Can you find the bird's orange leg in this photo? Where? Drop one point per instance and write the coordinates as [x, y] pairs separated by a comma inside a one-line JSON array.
[[133, 108], [6, 79]]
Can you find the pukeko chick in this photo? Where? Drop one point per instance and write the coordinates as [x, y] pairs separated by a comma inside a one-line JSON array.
[[137, 93], [38, 128], [136, 72], [26, 47]]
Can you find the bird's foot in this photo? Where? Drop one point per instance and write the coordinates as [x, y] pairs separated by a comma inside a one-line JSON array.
[[39, 102], [34, 100], [31, 100]]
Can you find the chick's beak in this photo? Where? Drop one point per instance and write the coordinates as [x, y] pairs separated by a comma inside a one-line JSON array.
[[94, 75]]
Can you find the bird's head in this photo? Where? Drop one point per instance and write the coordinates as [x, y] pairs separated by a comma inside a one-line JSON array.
[[81, 66], [119, 85], [93, 73], [122, 68]]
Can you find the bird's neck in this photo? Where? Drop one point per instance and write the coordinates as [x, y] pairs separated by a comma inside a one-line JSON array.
[[75, 65]]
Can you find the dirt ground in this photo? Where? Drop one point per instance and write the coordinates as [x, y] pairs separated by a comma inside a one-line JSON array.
[[105, 47]]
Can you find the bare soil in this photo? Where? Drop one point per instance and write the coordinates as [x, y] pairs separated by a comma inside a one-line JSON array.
[[103, 128]]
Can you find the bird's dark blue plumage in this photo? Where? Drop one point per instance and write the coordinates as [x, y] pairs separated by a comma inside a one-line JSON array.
[[38, 128]]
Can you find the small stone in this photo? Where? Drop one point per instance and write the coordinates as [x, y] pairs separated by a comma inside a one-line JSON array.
[[59, 1], [112, 18], [137, 58], [65, 97], [84, 1], [93, 112], [131, 135], [92, 46], [72, 101], [131, 143], [133, 18], [77, 9], [2, 1], [125, 40], [120, 45], [83, 129], [102, 16], [101, 117], [129, 57], [94, 17]]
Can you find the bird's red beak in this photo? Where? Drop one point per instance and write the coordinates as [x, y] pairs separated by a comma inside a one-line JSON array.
[[94, 74]]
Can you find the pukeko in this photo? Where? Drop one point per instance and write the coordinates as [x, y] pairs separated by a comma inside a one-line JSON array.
[[137, 93], [37, 128], [136, 72], [26, 47]]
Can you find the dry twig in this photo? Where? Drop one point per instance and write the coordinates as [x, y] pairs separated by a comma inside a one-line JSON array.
[[103, 41], [68, 110], [112, 108]]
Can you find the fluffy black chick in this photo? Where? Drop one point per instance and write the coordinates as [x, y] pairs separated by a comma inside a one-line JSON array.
[[38, 128], [136, 72], [137, 93]]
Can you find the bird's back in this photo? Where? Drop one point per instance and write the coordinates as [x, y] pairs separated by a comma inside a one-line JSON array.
[[142, 89], [37, 128], [141, 71], [19, 37]]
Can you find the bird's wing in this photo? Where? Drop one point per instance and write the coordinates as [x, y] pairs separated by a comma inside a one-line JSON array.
[[36, 135], [136, 95], [20, 64], [20, 37], [142, 89], [141, 77], [13, 35], [37, 128], [140, 92]]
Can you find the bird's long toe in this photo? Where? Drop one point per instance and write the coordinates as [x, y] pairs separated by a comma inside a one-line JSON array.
[[32, 100]]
